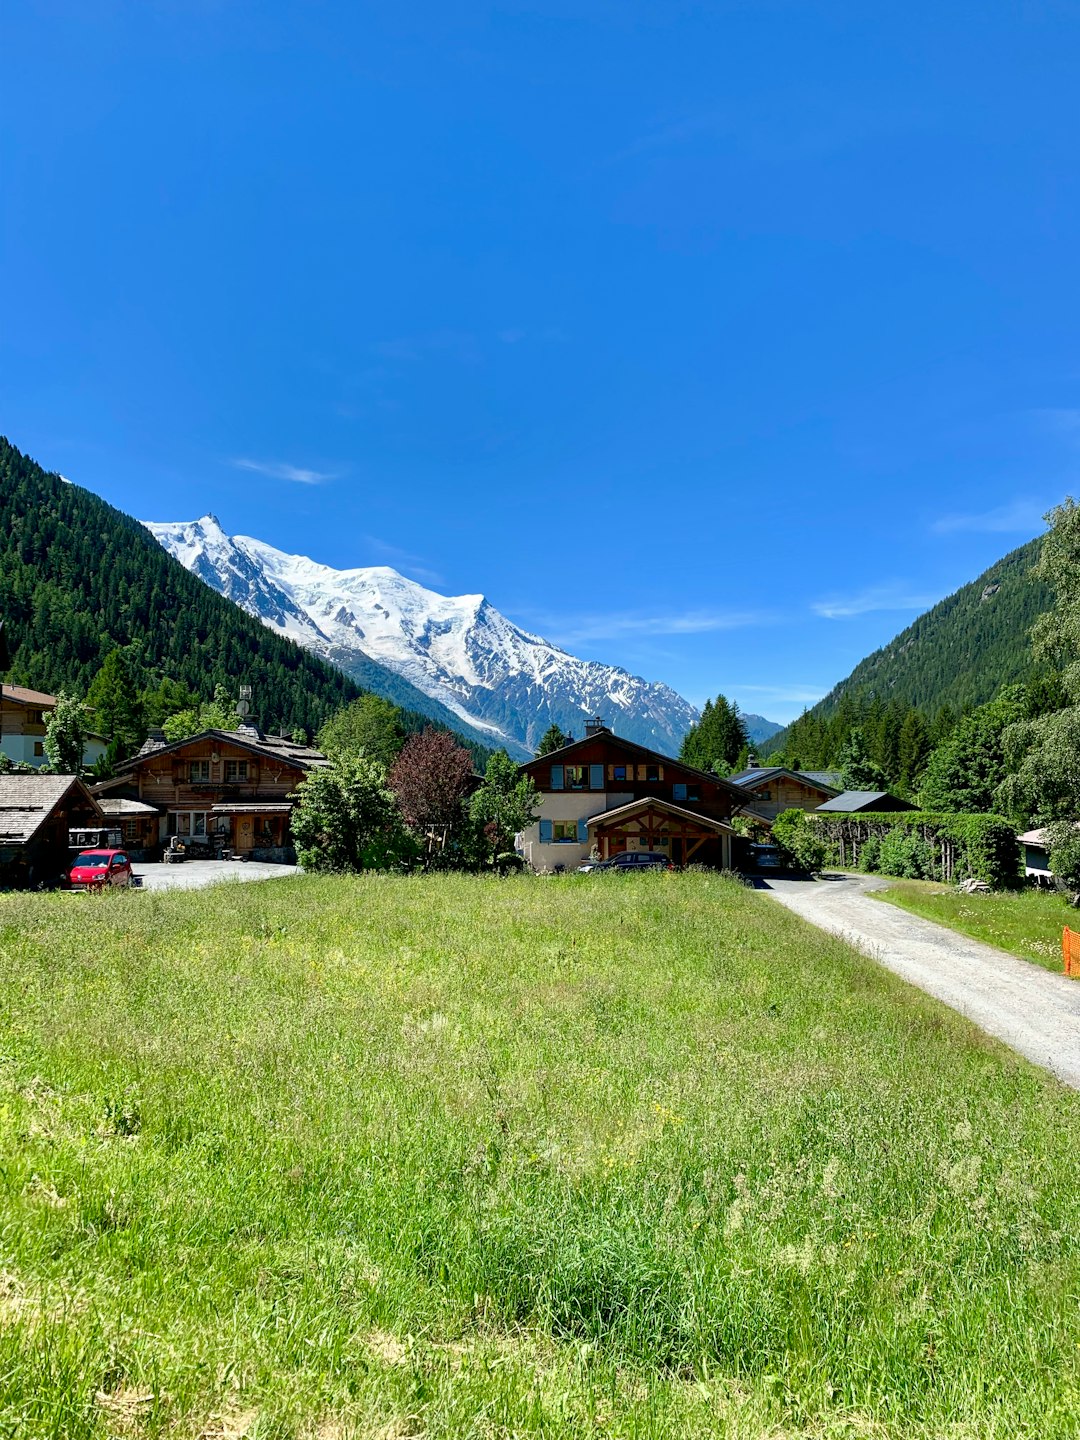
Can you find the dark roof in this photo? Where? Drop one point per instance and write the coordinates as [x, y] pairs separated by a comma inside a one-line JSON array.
[[852, 801], [750, 779], [653, 803], [270, 747], [632, 745], [27, 801]]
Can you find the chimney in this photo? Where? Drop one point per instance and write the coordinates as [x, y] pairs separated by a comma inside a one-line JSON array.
[[752, 762], [594, 726], [243, 705]]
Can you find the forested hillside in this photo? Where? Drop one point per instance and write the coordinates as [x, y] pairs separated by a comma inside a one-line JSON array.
[[79, 579], [953, 658]]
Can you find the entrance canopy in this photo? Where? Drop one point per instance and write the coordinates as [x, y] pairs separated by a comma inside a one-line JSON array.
[[659, 825]]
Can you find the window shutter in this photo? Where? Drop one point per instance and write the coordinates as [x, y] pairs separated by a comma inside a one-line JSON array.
[[596, 777], [546, 832], [583, 827], [678, 792], [556, 777]]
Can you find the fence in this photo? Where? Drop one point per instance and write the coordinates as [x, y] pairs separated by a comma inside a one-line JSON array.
[[1070, 951]]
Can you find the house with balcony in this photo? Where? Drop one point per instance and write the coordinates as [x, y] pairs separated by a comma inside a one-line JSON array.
[[772, 789], [222, 790], [606, 795]]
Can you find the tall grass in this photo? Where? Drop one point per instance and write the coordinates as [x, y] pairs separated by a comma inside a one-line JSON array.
[[454, 1156], [1027, 923]]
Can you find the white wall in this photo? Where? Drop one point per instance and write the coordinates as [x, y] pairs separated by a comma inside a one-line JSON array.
[[566, 805], [20, 748]]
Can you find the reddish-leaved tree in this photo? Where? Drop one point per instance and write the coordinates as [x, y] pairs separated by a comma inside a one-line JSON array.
[[430, 779]]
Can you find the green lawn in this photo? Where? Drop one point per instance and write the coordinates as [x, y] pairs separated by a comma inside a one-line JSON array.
[[634, 1156], [1027, 923]]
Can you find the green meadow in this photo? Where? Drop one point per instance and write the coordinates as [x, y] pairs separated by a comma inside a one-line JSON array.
[[452, 1156], [1027, 923]]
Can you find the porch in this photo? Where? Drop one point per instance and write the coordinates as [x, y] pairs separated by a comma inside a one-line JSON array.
[[684, 836]]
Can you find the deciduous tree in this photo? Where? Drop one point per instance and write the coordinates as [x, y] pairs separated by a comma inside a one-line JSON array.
[[347, 819], [370, 726], [431, 779], [504, 804], [65, 735]]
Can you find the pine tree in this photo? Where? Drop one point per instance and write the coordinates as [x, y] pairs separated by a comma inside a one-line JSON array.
[[552, 739]]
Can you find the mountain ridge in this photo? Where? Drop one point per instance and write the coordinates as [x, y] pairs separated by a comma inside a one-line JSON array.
[[460, 651], [957, 654]]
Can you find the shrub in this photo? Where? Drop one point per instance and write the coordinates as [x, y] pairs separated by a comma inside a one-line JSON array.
[[950, 847]]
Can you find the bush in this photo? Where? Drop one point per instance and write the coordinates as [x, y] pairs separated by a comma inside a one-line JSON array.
[[918, 844], [907, 856], [800, 846]]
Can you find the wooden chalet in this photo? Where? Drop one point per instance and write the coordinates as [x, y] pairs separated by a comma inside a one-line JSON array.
[[222, 790], [607, 795], [23, 714], [36, 812], [771, 789]]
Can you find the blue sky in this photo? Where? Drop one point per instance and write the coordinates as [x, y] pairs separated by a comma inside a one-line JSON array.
[[712, 340]]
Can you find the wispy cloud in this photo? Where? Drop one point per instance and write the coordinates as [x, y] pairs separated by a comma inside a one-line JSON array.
[[619, 624], [1018, 517], [896, 596], [404, 560], [1059, 420], [459, 345], [280, 470], [794, 693]]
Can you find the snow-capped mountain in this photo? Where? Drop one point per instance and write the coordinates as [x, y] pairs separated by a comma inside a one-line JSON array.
[[458, 650]]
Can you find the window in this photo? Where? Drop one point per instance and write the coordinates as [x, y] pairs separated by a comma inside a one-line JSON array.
[[577, 777], [39, 749], [200, 770], [685, 792], [131, 829], [186, 822], [618, 772], [564, 831], [654, 772], [235, 770]]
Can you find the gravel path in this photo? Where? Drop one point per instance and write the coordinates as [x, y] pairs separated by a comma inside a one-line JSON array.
[[1031, 1009], [195, 874]]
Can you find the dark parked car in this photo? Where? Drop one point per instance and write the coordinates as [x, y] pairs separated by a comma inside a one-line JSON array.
[[633, 860]]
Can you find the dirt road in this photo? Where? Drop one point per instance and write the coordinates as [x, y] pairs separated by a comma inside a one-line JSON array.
[[1033, 1010]]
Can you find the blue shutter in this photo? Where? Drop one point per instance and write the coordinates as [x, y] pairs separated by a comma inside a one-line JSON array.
[[678, 792], [556, 777], [583, 829], [546, 832], [596, 777]]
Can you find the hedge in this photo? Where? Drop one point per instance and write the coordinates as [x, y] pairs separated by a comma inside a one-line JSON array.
[[919, 842]]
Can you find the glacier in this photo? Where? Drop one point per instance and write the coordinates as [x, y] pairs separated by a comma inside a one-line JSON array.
[[505, 684]]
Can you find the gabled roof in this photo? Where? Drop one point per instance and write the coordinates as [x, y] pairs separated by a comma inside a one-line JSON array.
[[120, 808], [609, 737], [27, 802], [851, 801], [269, 747], [36, 699], [627, 812], [751, 779]]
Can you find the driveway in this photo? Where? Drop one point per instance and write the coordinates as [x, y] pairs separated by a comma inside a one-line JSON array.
[[195, 874], [1031, 1009]]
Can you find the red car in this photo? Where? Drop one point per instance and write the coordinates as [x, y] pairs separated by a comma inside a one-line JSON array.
[[95, 869]]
